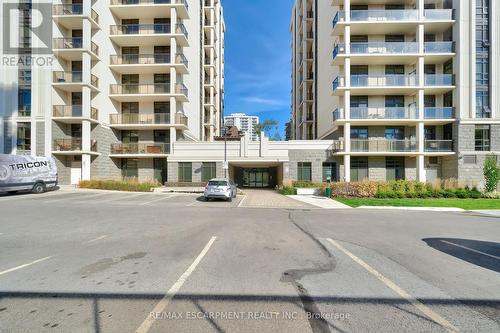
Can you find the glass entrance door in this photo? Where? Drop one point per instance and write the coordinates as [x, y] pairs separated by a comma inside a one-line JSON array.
[[256, 178]]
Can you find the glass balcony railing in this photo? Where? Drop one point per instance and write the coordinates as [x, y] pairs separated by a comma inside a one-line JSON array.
[[383, 145], [140, 148], [439, 47], [365, 113], [439, 112], [67, 145], [67, 9], [140, 89], [383, 81], [439, 79], [140, 59], [438, 145], [67, 43], [439, 14], [140, 29], [72, 111], [140, 119], [73, 77]]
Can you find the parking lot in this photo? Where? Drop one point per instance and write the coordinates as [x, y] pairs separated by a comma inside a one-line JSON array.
[[98, 261]]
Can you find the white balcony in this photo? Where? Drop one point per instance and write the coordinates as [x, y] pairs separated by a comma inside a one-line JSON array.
[[139, 150], [73, 114], [148, 8], [148, 34], [147, 92], [73, 147], [156, 121], [73, 81], [72, 49], [147, 63], [71, 16]]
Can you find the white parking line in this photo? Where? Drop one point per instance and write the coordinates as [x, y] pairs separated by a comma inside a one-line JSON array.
[[412, 300], [160, 307], [96, 239], [23, 266], [472, 250], [163, 197], [242, 200]]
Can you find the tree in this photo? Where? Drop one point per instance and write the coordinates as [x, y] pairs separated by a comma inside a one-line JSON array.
[[266, 126], [491, 174]]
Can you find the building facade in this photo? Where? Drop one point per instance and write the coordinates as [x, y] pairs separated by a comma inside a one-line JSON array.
[[126, 80], [402, 89], [246, 124]]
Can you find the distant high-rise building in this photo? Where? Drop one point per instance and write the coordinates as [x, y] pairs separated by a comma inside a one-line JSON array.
[[245, 124]]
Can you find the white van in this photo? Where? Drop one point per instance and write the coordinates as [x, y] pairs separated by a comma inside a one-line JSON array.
[[27, 173]]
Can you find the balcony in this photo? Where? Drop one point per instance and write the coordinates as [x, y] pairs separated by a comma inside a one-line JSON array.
[[148, 34], [72, 81], [73, 114], [147, 63], [72, 48], [369, 115], [439, 113], [73, 147], [376, 85], [386, 21], [147, 92], [148, 8], [139, 150], [377, 53], [439, 83], [383, 146], [437, 146], [71, 16], [156, 121]]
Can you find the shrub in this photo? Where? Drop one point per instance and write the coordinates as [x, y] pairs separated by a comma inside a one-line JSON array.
[[491, 195], [365, 189], [130, 185], [304, 184], [491, 174], [286, 190]]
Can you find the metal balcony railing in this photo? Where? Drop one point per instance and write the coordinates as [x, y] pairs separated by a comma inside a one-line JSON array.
[[140, 148], [67, 43], [438, 145], [377, 81], [384, 113], [439, 112], [140, 119], [72, 111], [140, 89], [67, 77], [383, 145], [180, 58]]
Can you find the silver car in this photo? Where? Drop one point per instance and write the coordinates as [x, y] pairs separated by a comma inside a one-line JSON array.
[[220, 188]]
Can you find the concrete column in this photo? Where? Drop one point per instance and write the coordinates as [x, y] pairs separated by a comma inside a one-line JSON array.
[[421, 177], [472, 59], [421, 149], [494, 58], [347, 137], [86, 162], [420, 8], [347, 10], [347, 168]]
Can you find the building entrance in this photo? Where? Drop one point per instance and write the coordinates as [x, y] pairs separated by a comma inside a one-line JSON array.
[[256, 177]]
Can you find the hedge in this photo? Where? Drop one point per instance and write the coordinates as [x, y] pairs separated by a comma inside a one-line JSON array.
[[119, 185]]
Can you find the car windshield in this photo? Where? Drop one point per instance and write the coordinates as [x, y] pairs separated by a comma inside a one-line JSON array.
[[217, 183]]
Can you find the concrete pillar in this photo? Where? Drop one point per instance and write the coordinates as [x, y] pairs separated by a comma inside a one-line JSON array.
[[347, 10], [86, 162], [347, 168], [421, 149], [421, 177]]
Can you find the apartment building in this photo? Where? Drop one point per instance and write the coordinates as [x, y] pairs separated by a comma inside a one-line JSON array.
[[403, 89], [245, 123], [127, 80]]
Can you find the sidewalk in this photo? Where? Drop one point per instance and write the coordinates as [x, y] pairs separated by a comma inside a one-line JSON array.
[[321, 202]]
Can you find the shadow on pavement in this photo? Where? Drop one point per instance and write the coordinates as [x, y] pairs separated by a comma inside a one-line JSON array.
[[481, 253]]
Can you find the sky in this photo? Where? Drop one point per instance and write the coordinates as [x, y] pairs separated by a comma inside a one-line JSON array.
[[257, 58]]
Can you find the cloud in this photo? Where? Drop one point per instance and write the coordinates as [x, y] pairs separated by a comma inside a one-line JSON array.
[[265, 101]]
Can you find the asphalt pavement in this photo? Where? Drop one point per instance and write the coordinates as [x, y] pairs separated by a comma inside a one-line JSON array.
[[93, 261]]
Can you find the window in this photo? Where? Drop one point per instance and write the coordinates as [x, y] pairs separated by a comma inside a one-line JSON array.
[[76, 131], [130, 168], [430, 69], [161, 136], [360, 133], [359, 39], [185, 172], [394, 38], [304, 171], [359, 7], [395, 133], [395, 167], [430, 132], [429, 38], [24, 136], [394, 101], [162, 54], [162, 25], [394, 7], [130, 108], [359, 70], [470, 159], [130, 55], [430, 101], [433, 160], [329, 171], [208, 171], [359, 101], [359, 169], [130, 137], [394, 69], [24, 100], [482, 137], [483, 53]]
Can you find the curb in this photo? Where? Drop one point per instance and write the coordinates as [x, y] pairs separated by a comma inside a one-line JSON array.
[[432, 209]]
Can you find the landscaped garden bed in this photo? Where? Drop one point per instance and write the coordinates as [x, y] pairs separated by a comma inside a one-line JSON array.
[[119, 185]]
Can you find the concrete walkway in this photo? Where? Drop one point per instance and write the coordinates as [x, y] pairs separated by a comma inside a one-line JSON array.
[[321, 202], [270, 199]]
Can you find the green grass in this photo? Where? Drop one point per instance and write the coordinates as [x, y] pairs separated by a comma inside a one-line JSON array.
[[467, 204]]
